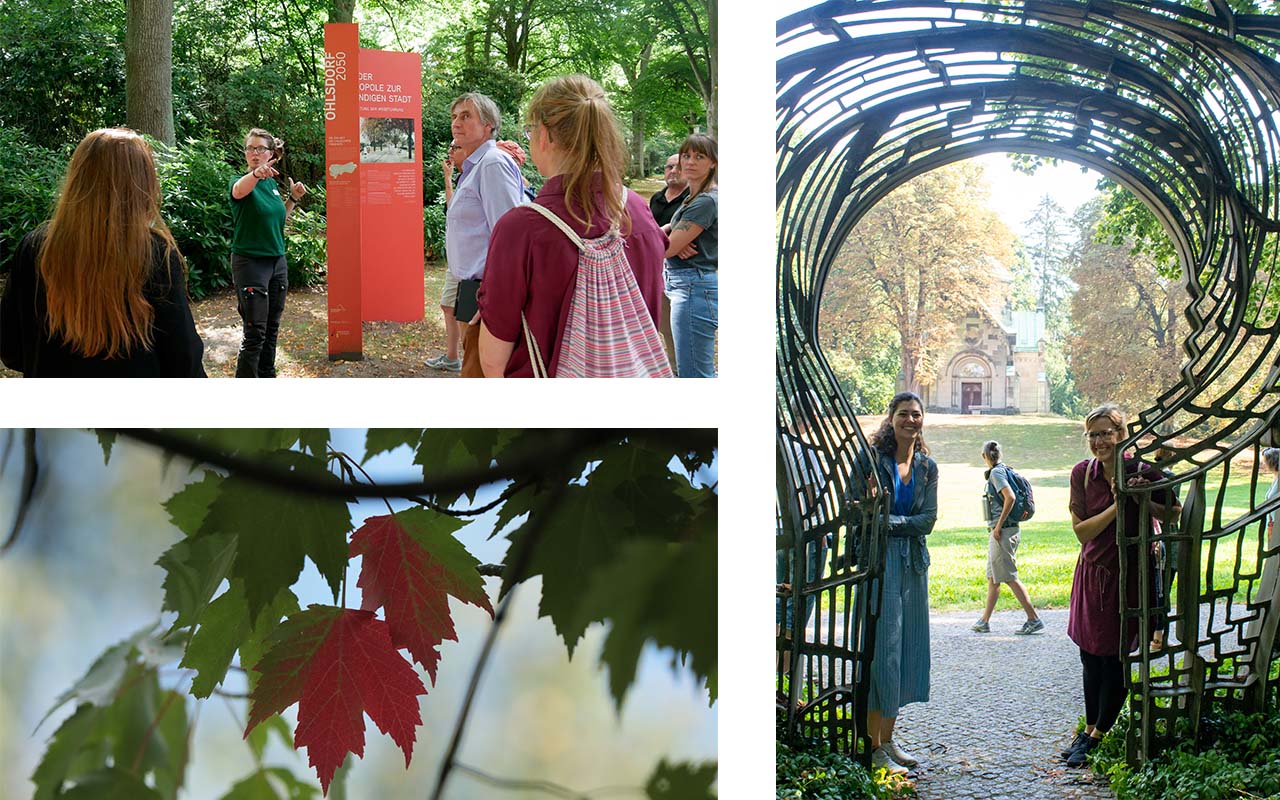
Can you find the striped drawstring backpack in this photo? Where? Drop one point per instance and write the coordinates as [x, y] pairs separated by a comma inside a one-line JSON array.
[[609, 333]]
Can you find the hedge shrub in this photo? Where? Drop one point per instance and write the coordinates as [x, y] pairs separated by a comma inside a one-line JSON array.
[[29, 177]]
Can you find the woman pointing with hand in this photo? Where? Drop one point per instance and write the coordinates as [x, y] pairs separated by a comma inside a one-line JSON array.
[[258, 266]]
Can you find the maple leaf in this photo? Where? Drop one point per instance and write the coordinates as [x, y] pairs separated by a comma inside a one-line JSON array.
[[276, 530], [411, 565], [681, 781], [337, 665]]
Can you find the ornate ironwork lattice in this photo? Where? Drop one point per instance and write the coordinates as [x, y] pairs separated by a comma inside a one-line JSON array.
[[1182, 107]]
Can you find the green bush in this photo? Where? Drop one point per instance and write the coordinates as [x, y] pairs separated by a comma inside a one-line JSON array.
[[433, 229], [815, 774], [1239, 756], [29, 178], [306, 248], [194, 181]]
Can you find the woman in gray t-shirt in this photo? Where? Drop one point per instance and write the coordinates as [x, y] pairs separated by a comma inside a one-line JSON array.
[[1002, 545], [693, 260]]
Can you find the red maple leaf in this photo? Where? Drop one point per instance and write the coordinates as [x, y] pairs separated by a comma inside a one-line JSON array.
[[337, 664], [412, 564]]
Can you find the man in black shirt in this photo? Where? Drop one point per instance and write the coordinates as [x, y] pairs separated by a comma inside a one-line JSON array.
[[664, 204]]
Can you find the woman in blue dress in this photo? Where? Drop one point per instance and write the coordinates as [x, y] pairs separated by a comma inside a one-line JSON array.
[[900, 668]]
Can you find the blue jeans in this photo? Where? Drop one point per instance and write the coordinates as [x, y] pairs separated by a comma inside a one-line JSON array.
[[692, 292]]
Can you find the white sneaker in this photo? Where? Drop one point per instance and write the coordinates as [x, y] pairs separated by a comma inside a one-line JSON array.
[[898, 754], [881, 760]]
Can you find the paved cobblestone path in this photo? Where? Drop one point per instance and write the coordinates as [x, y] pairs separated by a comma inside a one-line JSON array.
[[1001, 709]]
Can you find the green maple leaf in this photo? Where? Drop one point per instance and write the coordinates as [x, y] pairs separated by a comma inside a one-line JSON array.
[[224, 628], [189, 506], [106, 440], [65, 747], [100, 684], [111, 783], [314, 441], [518, 504], [195, 568], [581, 535], [275, 530], [384, 440], [445, 451], [655, 592], [641, 480], [258, 737], [684, 781]]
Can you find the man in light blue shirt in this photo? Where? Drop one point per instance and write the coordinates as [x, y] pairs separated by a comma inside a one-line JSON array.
[[489, 185]]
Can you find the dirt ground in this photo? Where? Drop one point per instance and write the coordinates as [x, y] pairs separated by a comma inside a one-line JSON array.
[[391, 349]]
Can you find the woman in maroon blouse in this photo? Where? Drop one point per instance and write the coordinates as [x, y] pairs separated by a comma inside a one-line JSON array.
[[532, 268], [1094, 624]]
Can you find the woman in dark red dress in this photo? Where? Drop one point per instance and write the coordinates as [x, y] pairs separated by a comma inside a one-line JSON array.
[[1094, 624]]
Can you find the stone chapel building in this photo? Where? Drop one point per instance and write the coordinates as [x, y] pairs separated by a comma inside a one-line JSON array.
[[993, 365]]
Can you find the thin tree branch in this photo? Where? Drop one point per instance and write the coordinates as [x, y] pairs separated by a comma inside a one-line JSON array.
[[30, 474], [531, 462], [547, 787], [521, 563]]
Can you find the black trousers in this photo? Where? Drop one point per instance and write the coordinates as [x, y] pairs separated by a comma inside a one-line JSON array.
[[1104, 692], [261, 285]]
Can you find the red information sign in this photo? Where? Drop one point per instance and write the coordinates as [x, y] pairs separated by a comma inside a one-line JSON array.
[[373, 156], [390, 102], [342, 188]]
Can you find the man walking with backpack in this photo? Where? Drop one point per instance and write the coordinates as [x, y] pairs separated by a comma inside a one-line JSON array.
[[1008, 502]]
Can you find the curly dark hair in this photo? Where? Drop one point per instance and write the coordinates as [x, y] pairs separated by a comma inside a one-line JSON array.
[[884, 440]]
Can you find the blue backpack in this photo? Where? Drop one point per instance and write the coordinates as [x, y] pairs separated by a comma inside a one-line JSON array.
[[1024, 499]]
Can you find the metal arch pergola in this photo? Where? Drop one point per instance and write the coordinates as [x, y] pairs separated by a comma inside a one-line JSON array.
[[1182, 107]]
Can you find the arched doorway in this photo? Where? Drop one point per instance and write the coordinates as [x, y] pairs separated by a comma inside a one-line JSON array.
[[870, 95]]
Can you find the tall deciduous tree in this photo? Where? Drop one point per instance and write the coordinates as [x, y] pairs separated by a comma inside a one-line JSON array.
[[694, 27], [921, 259], [1127, 321], [148, 64]]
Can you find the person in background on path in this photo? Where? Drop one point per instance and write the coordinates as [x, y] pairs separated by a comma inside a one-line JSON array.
[[664, 205], [258, 267], [489, 185], [900, 669], [693, 261], [1002, 546], [1094, 622], [100, 290], [577, 145]]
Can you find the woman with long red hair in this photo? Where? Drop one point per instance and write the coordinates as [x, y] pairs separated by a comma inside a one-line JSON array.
[[100, 290]]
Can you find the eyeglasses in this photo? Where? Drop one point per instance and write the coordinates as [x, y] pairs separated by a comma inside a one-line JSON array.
[[528, 131], [453, 147], [257, 150], [1094, 436]]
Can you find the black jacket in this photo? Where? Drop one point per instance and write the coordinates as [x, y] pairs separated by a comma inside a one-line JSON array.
[[26, 346]]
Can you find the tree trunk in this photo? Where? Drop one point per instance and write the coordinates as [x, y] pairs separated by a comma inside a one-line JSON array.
[[637, 143], [148, 68], [713, 58], [342, 11]]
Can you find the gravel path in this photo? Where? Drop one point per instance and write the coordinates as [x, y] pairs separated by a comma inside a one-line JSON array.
[[1001, 709]]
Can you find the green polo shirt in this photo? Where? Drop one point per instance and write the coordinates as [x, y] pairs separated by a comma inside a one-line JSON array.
[[257, 221]]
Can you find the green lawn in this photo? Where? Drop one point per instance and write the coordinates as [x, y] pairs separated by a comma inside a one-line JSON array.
[[1044, 449]]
